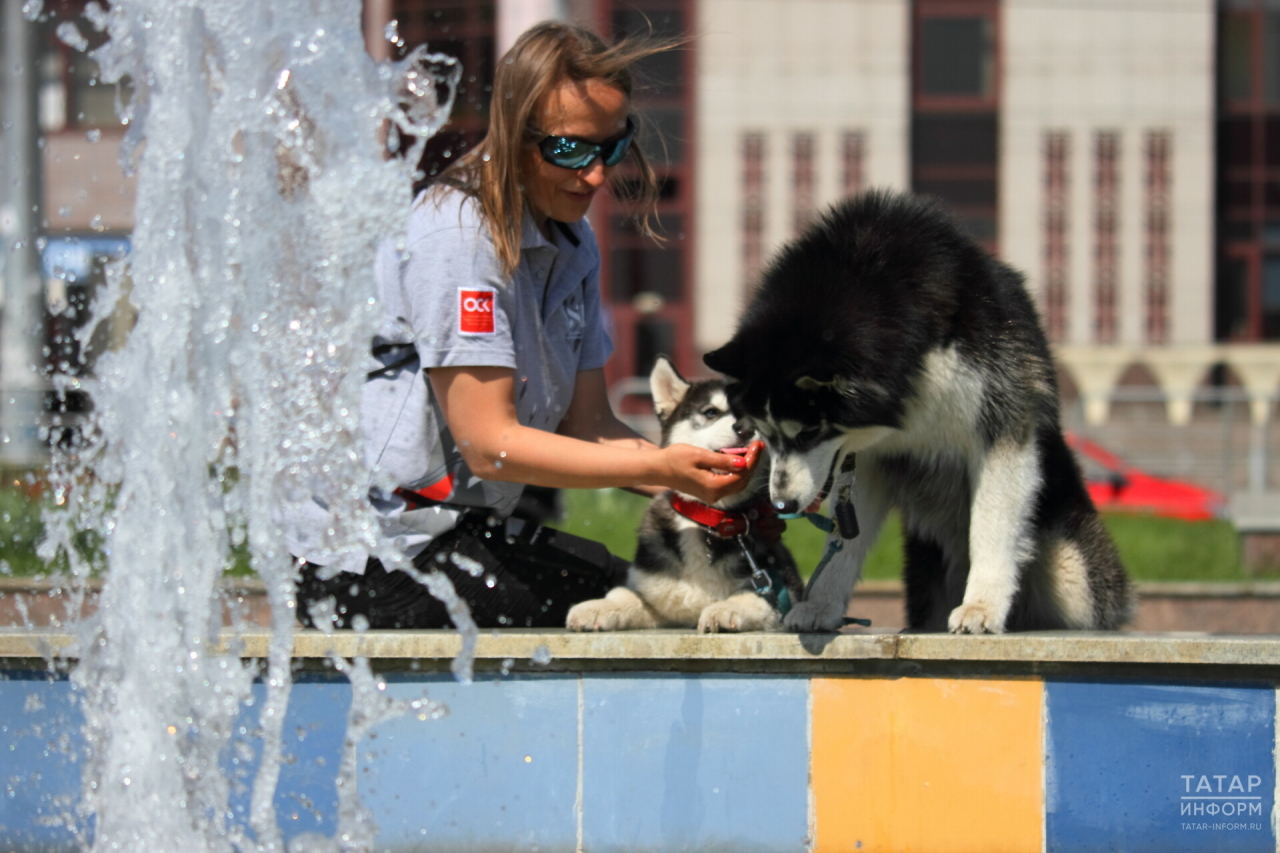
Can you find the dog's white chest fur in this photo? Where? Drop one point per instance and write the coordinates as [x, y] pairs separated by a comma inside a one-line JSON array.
[[683, 592], [942, 415]]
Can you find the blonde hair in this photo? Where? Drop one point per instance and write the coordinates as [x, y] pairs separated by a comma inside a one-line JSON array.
[[545, 56]]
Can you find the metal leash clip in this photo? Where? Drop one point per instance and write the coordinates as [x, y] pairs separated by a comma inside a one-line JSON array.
[[760, 580]]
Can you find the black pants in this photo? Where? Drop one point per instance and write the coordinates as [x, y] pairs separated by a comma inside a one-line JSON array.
[[529, 578]]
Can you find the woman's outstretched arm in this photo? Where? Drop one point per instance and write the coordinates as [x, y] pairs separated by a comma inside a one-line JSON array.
[[478, 404]]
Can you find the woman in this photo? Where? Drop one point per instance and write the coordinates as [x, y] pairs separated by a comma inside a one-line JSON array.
[[495, 297]]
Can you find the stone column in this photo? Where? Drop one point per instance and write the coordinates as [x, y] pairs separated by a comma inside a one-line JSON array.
[[22, 384]]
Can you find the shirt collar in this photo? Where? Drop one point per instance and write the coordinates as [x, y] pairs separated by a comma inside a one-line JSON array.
[[531, 236]]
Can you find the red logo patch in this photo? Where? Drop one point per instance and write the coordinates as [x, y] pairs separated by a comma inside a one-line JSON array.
[[475, 312]]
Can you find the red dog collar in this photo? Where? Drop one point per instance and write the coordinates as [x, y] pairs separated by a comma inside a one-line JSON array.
[[723, 523]]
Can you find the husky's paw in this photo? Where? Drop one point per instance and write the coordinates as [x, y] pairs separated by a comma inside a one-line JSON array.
[[619, 610], [598, 615], [738, 615], [815, 617], [978, 617]]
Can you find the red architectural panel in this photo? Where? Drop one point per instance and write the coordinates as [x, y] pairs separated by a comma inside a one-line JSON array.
[[852, 153], [1057, 147], [803, 180], [1158, 144], [753, 201], [1106, 251]]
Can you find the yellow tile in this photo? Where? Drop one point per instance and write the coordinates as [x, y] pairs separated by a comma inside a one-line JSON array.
[[917, 765]]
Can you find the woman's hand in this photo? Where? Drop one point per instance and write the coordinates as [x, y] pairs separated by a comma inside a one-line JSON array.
[[707, 475]]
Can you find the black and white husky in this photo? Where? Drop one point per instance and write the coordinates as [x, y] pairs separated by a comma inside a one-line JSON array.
[[691, 569], [885, 332]]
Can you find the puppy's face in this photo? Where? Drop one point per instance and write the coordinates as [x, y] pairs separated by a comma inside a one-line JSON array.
[[699, 413]]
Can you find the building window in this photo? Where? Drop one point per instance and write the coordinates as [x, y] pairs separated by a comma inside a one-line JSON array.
[[71, 95], [955, 110], [956, 54], [1248, 171], [1106, 249], [1057, 156], [647, 284], [853, 148], [803, 181], [464, 29], [753, 202], [1157, 155], [1271, 296]]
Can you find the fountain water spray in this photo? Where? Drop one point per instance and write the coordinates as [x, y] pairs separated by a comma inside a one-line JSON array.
[[262, 192]]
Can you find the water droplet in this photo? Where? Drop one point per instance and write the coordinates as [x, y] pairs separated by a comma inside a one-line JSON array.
[[467, 564], [542, 655], [70, 35], [96, 15], [93, 135]]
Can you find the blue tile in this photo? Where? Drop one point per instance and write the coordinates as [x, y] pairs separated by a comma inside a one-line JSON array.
[[683, 762], [498, 772], [40, 724], [41, 741], [1125, 762], [315, 726]]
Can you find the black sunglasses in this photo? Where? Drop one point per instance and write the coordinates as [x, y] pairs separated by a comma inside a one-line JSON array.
[[570, 152]]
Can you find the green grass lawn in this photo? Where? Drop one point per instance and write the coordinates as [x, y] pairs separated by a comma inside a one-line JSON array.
[[20, 527], [611, 516], [1152, 548], [1156, 549]]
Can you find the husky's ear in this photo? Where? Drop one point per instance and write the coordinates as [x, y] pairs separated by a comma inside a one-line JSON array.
[[667, 386], [726, 361], [815, 377], [840, 384]]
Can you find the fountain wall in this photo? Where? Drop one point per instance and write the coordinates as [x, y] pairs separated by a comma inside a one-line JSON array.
[[672, 741]]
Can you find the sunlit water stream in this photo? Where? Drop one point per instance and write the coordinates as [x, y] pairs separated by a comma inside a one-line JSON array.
[[253, 128]]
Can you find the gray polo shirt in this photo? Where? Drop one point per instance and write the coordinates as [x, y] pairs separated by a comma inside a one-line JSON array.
[[445, 295]]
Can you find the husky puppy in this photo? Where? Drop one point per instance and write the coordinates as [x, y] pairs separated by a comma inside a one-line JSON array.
[[887, 333], [690, 568]]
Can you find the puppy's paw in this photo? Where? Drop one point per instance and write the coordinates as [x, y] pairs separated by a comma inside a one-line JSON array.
[[737, 614], [598, 615], [619, 610], [977, 617], [815, 617]]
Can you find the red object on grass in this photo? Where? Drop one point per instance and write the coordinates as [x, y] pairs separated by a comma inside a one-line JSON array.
[[1129, 489]]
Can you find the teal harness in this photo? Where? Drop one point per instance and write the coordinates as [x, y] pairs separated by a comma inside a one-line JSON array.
[[844, 524]]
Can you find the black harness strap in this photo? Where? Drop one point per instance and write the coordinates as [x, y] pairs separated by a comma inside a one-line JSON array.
[[404, 354]]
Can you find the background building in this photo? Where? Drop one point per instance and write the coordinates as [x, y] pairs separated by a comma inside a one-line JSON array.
[[1125, 156]]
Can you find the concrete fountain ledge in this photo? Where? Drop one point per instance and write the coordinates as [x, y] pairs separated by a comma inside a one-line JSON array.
[[670, 740], [677, 650]]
